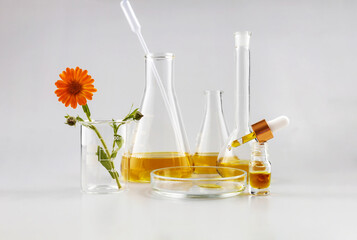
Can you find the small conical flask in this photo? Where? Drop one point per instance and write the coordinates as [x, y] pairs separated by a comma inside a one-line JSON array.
[[159, 139], [239, 157], [213, 133]]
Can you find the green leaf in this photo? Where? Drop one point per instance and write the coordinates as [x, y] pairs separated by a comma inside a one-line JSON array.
[[114, 126], [101, 154], [130, 115], [114, 153], [106, 162], [79, 119], [114, 173], [118, 140]]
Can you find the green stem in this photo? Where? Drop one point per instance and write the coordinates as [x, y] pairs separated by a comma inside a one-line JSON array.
[[113, 146], [102, 141]]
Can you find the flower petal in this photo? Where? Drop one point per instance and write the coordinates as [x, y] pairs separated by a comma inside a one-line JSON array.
[[73, 102], [60, 91], [88, 95], [63, 76], [85, 79], [67, 101], [83, 74], [90, 89], [81, 100], [64, 99], [77, 72], [61, 84], [88, 81], [75, 87]]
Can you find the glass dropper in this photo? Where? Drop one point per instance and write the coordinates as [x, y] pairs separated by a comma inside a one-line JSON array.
[[136, 28], [262, 131]]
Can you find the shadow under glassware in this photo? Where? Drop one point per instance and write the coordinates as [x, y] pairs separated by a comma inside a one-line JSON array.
[[103, 144]]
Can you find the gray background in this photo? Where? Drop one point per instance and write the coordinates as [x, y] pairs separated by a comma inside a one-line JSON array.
[[303, 66]]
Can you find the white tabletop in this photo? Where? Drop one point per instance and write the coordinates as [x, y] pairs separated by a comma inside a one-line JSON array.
[[303, 63], [303, 210]]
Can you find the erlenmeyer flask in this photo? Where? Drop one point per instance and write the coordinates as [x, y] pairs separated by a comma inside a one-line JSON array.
[[239, 157], [159, 139], [213, 133]]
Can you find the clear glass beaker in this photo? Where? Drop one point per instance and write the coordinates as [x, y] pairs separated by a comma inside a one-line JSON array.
[[239, 157], [102, 169], [159, 139], [213, 133]]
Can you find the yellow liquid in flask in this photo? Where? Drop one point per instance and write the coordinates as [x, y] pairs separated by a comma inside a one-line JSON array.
[[138, 166], [205, 159], [234, 162]]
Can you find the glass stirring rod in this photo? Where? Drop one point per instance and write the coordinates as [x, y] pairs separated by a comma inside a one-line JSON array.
[[262, 131]]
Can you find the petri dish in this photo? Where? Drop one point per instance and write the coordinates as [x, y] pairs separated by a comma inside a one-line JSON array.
[[198, 182]]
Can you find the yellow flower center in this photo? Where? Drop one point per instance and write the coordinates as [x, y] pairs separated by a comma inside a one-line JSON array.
[[74, 88]]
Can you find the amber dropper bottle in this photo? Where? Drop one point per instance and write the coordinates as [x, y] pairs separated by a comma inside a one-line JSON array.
[[259, 173], [259, 170]]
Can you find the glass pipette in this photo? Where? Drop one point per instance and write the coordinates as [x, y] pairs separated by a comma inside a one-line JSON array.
[[136, 28], [262, 131]]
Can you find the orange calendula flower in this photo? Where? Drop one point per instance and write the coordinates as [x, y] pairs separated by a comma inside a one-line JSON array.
[[75, 87]]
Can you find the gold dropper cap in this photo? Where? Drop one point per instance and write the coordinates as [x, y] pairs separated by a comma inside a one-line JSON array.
[[262, 131]]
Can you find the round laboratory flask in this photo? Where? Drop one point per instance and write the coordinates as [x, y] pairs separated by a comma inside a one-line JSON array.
[[212, 135], [238, 157], [159, 138]]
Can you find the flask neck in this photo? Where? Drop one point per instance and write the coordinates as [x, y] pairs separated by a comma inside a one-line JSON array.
[[260, 150], [163, 62], [214, 130], [213, 103], [242, 93], [162, 124]]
